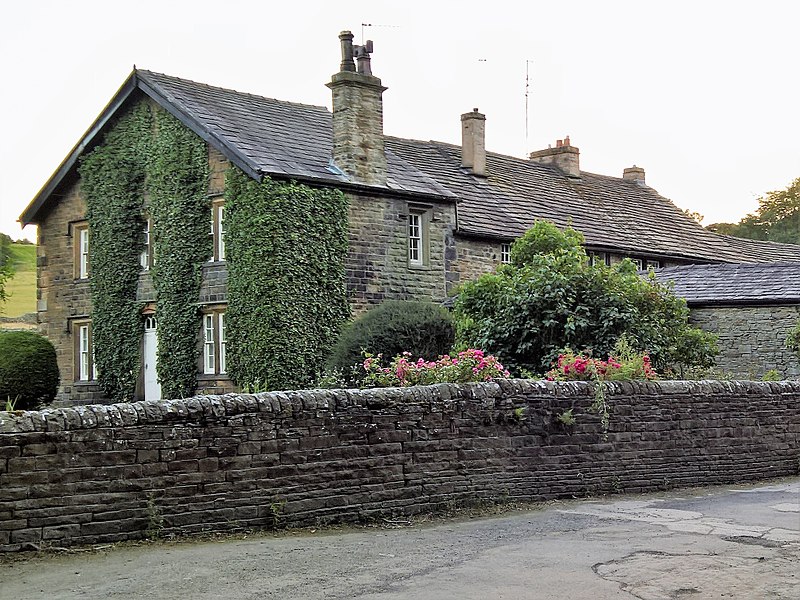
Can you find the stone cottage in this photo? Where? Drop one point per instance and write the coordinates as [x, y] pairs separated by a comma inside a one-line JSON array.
[[751, 307], [423, 215]]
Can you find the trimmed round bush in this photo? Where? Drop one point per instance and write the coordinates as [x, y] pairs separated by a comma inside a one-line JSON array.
[[422, 328], [28, 369]]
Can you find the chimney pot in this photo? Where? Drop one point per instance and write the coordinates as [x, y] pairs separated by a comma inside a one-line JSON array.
[[473, 142], [346, 41], [362, 58]]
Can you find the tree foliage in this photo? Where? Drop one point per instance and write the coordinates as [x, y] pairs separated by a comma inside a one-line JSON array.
[[551, 298], [777, 218]]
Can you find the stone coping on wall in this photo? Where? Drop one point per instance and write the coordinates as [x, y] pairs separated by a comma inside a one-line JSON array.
[[288, 403]]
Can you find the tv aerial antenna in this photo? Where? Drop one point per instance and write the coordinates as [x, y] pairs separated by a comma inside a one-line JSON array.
[[527, 94], [365, 25]]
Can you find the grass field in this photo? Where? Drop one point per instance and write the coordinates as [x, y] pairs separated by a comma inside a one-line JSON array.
[[21, 288]]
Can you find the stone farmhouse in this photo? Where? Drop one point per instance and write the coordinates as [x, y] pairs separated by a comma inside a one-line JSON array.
[[424, 216]]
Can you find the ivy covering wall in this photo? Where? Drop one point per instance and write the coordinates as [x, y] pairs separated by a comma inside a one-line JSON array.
[[286, 245], [177, 183], [147, 153], [112, 183]]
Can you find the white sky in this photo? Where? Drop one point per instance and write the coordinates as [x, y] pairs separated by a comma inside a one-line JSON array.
[[702, 94]]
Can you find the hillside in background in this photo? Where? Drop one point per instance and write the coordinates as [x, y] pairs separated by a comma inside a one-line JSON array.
[[21, 288]]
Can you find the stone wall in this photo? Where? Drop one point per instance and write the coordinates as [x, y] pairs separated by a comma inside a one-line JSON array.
[[102, 474], [474, 257], [752, 339], [377, 262], [62, 298]]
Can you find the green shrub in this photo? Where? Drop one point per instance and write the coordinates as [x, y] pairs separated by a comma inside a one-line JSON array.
[[422, 328], [551, 298], [28, 369], [793, 339]]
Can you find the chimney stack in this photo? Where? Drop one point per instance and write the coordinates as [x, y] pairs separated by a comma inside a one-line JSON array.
[[473, 142], [358, 147], [565, 156], [635, 174]]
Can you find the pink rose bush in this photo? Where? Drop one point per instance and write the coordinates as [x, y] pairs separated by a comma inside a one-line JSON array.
[[579, 367], [403, 371]]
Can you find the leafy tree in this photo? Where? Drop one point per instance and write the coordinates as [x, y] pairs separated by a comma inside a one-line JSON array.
[[550, 298], [695, 216], [777, 218]]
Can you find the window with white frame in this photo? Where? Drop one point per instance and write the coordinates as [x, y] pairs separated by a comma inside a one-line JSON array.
[[221, 323], [639, 263], [80, 234], [656, 264], [214, 343], [599, 258], [505, 253], [218, 231], [146, 257], [84, 351], [415, 238]]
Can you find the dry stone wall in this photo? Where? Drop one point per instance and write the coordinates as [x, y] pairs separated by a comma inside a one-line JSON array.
[[102, 474], [752, 339]]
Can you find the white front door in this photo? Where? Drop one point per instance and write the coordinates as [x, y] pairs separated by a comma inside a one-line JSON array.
[[152, 388]]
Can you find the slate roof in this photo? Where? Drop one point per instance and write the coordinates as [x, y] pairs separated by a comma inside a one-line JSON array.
[[775, 283], [610, 212], [264, 136], [276, 137]]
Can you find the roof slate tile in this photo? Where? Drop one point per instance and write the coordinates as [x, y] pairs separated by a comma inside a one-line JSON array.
[[735, 283]]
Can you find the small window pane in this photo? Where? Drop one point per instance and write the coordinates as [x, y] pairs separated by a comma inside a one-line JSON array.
[[84, 253], [222, 368], [208, 345], [221, 236], [144, 258], [415, 238], [505, 253], [83, 353]]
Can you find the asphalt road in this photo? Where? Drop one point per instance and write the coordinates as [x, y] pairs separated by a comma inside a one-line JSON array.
[[725, 542]]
